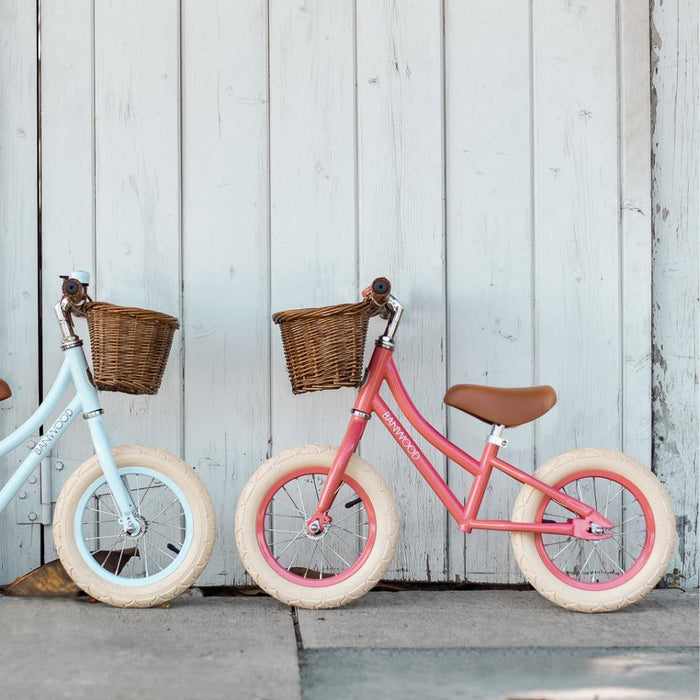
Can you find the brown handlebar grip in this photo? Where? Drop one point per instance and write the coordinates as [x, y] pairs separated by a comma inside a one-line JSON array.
[[380, 291], [73, 289]]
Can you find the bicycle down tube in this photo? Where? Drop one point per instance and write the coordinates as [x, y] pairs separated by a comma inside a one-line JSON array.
[[86, 402], [382, 369]]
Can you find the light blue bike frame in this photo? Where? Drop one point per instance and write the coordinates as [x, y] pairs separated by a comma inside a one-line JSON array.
[[86, 402]]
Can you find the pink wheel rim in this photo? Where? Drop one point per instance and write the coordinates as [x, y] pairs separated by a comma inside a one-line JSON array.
[[640, 551], [285, 572]]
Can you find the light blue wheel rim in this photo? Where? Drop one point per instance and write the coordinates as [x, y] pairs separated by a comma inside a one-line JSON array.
[[133, 582]]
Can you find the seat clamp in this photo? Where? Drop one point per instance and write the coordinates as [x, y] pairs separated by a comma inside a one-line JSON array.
[[499, 441], [496, 436]]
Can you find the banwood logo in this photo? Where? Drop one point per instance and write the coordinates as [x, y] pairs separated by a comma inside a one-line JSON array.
[[54, 431], [403, 439]]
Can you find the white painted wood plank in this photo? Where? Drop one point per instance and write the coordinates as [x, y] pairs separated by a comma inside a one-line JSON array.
[[635, 231], [67, 193], [489, 249], [577, 287], [676, 277], [137, 246], [20, 545], [401, 235], [225, 257], [312, 194]]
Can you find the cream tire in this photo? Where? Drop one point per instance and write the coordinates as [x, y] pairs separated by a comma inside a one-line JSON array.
[[627, 592], [306, 596], [195, 559]]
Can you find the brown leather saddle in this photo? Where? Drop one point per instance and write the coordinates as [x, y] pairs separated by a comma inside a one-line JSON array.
[[5, 391], [508, 407]]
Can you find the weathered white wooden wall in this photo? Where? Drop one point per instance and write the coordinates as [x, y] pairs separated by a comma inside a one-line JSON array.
[[675, 32], [223, 160]]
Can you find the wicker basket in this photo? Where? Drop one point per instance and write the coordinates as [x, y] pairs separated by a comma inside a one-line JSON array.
[[130, 347], [324, 347]]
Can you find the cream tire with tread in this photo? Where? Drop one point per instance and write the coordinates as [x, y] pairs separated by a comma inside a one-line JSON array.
[[334, 595], [204, 529], [628, 592]]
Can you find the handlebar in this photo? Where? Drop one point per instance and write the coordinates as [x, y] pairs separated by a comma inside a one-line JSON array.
[[74, 295], [388, 308], [379, 291], [74, 287]]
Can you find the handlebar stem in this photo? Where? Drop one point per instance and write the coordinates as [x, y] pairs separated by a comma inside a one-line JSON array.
[[63, 313], [387, 339]]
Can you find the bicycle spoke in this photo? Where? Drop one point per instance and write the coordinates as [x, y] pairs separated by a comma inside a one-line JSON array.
[[301, 500], [585, 563], [121, 555], [595, 495], [178, 516], [607, 493], [164, 523], [311, 560], [622, 571], [353, 514], [615, 495], [162, 534], [142, 544], [337, 554], [349, 532], [162, 510], [167, 554], [334, 532], [563, 549], [624, 549], [111, 548], [303, 513], [572, 555], [276, 544], [301, 532], [286, 505], [549, 544], [104, 520], [629, 520], [100, 500], [323, 554], [318, 497]]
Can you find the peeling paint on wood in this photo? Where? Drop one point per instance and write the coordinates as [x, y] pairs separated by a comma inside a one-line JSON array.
[[675, 65]]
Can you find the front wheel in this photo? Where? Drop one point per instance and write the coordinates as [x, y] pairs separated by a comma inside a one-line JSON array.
[[332, 568], [159, 562], [602, 575]]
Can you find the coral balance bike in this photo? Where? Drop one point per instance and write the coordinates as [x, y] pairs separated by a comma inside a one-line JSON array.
[[316, 526]]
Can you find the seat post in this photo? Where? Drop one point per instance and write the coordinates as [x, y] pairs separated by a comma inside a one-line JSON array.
[[496, 435]]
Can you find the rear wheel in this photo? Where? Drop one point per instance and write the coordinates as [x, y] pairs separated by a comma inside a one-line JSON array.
[[596, 575], [334, 567]]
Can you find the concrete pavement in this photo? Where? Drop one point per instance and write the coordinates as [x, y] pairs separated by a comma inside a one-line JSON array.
[[411, 644]]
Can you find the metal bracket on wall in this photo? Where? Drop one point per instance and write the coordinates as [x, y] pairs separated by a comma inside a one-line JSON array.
[[33, 501]]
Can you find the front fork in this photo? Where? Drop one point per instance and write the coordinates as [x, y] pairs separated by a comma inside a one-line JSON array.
[[128, 518], [353, 435], [93, 414]]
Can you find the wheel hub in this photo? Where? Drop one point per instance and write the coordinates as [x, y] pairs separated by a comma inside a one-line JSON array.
[[143, 526]]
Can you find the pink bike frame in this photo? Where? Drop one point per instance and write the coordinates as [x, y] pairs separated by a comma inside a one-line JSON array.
[[382, 369]]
